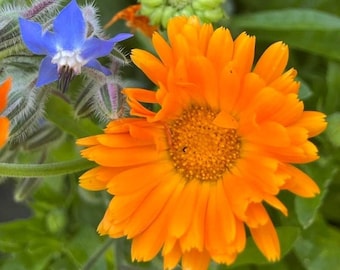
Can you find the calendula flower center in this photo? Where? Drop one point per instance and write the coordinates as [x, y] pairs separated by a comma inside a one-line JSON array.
[[200, 149]]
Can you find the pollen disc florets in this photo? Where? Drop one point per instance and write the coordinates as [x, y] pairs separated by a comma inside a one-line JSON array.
[[200, 149]]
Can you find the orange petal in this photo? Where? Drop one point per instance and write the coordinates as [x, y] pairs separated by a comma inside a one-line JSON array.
[[140, 94], [122, 125], [183, 214], [204, 37], [313, 121], [220, 49], [229, 88], [149, 210], [88, 141], [121, 141], [4, 130], [4, 89], [303, 153], [256, 215], [149, 63], [250, 87], [163, 49], [272, 62], [98, 178], [275, 202], [195, 260], [299, 182], [130, 181], [220, 221], [172, 257], [122, 207], [147, 244], [286, 83], [119, 157], [266, 239], [195, 235], [269, 133], [244, 49]]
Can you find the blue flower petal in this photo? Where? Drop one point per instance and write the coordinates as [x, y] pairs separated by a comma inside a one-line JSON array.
[[96, 65], [95, 47], [121, 37], [47, 72], [70, 27], [35, 39]]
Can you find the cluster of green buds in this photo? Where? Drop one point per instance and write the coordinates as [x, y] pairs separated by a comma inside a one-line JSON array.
[[160, 11]]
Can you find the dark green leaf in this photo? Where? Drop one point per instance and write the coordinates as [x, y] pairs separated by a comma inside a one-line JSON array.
[[333, 129], [289, 19], [307, 208], [319, 246], [309, 30], [332, 95]]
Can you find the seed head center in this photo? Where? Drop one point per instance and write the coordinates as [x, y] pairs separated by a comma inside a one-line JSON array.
[[199, 149]]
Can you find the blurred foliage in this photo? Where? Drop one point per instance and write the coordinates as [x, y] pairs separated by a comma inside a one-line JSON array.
[[61, 231]]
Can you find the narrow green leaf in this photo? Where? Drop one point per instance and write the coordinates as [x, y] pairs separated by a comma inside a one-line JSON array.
[[332, 96], [289, 19]]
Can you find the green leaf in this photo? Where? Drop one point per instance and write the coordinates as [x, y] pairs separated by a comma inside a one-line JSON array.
[[305, 91], [83, 244], [252, 255], [289, 19], [332, 96], [333, 129], [330, 207], [309, 30], [61, 114], [319, 246], [307, 208]]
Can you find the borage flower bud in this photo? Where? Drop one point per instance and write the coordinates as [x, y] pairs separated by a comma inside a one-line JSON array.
[[101, 96], [68, 48]]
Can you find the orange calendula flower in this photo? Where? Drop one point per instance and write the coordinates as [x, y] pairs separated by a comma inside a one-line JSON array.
[[4, 122], [133, 20], [188, 179]]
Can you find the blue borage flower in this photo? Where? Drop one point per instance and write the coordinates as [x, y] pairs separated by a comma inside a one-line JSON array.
[[67, 49]]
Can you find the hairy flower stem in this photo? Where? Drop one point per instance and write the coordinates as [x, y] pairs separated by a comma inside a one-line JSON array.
[[43, 170]]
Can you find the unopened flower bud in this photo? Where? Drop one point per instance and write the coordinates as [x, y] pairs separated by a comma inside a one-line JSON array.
[[160, 11]]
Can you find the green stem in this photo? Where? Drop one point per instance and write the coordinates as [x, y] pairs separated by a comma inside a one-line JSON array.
[[97, 254], [43, 170]]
